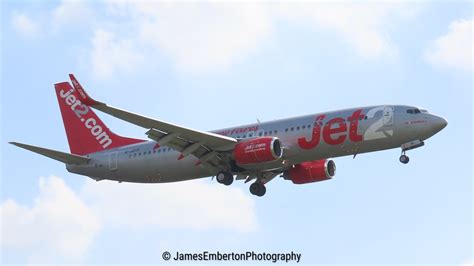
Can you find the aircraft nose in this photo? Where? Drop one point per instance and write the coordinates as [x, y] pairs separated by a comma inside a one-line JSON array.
[[439, 123]]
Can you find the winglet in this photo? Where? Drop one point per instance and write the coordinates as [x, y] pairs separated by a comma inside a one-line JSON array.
[[85, 98]]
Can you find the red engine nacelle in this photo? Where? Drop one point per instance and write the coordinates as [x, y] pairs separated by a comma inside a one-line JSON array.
[[259, 150], [313, 171]]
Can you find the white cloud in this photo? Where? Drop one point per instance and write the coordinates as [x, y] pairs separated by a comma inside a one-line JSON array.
[[24, 25], [59, 226], [110, 55], [71, 14], [62, 224], [205, 36], [192, 205], [454, 49], [360, 25]]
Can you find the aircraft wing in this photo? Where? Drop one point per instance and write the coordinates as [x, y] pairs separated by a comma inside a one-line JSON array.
[[204, 145]]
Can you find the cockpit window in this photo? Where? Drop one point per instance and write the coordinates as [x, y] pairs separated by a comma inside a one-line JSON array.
[[415, 111], [424, 111]]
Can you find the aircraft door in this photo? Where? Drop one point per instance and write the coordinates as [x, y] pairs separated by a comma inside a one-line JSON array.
[[113, 161]]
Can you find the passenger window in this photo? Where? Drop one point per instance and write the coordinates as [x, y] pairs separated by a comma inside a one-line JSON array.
[[286, 129], [304, 127], [297, 128], [276, 132], [292, 128]]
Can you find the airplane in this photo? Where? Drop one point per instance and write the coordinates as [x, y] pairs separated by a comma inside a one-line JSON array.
[[297, 149]]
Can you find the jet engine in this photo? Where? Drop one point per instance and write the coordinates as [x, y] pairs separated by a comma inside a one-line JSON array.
[[259, 150], [309, 172]]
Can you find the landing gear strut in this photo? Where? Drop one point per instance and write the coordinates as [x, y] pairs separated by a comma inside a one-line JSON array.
[[258, 189], [225, 178]]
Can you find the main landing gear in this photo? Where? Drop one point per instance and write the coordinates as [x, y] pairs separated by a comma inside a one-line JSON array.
[[258, 189], [225, 178]]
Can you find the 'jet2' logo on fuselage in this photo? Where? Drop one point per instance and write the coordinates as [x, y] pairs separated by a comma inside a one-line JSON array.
[[80, 110], [334, 126]]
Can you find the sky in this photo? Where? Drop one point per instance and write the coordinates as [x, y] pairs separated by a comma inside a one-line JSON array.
[[216, 65]]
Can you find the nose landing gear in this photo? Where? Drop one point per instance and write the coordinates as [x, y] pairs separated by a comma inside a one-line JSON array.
[[404, 159], [409, 146]]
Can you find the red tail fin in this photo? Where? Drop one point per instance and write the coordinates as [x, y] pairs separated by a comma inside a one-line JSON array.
[[86, 133]]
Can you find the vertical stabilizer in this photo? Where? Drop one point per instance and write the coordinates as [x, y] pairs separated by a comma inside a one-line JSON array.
[[86, 133]]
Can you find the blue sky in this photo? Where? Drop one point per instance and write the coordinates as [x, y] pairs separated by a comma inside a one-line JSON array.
[[211, 66]]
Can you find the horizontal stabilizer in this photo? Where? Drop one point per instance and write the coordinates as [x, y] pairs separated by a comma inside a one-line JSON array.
[[56, 155]]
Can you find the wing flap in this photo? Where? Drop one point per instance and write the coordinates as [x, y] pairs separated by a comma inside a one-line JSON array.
[[66, 158]]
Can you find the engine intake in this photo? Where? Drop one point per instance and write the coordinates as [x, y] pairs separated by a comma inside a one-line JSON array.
[[309, 172], [259, 150]]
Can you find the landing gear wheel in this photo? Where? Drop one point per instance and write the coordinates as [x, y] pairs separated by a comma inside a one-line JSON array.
[[404, 159], [258, 189], [225, 178]]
